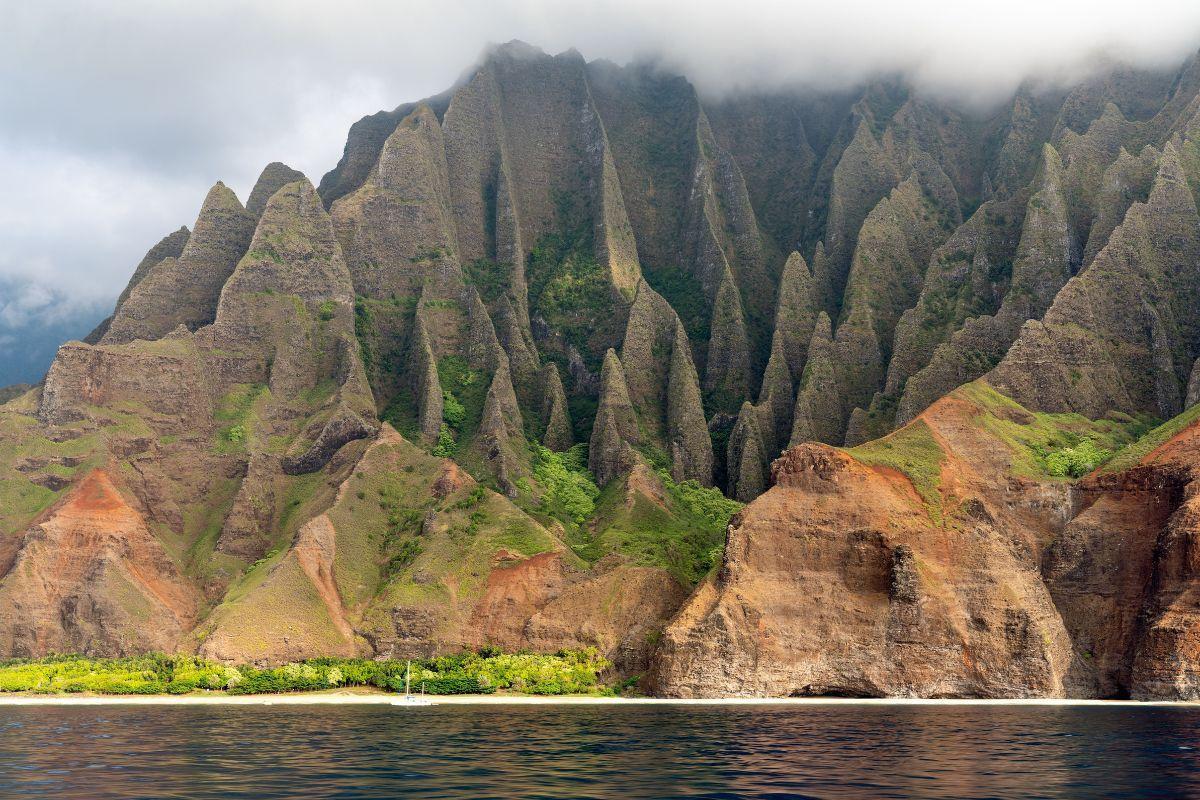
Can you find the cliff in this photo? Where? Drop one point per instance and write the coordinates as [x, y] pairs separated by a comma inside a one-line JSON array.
[[505, 377]]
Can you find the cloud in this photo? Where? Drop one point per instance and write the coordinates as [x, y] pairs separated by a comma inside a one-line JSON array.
[[115, 118], [35, 318]]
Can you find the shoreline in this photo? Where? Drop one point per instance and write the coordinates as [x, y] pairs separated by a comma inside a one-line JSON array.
[[368, 698]]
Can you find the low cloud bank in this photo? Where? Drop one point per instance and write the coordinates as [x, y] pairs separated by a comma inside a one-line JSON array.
[[116, 118]]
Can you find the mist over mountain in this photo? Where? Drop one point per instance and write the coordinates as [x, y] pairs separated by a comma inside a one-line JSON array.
[[864, 388], [82, 112]]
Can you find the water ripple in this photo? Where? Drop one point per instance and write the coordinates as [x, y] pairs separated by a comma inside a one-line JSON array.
[[599, 752]]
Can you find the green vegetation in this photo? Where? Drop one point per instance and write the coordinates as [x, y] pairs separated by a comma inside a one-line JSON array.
[[327, 310], [568, 287], [944, 306], [267, 254], [454, 413], [406, 554], [569, 493], [565, 672], [582, 408], [379, 327], [1053, 445], [1041, 445], [1135, 452], [463, 394], [364, 332], [1077, 461], [397, 545], [234, 415], [913, 451], [401, 414], [489, 277], [700, 502], [681, 531], [680, 288], [446, 444]]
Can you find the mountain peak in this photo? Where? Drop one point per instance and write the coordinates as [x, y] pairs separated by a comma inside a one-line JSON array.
[[274, 177]]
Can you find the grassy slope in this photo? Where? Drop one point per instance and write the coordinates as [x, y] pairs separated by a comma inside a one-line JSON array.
[[1032, 435], [380, 523], [913, 451], [681, 531], [1132, 454], [1029, 437], [21, 500]]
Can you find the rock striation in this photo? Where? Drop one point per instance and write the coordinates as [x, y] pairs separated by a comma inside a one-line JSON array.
[[922, 565]]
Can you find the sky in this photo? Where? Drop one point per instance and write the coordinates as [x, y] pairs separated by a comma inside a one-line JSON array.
[[116, 117]]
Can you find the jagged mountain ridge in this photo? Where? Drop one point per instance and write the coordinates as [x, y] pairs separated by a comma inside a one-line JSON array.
[[563, 252], [883, 197]]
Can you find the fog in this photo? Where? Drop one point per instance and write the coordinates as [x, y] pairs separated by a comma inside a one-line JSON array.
[[115, 118]]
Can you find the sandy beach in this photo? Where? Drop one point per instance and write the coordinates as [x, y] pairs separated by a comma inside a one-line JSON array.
[[379, 698]]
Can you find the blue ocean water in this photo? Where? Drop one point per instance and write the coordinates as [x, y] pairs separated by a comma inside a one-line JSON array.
[[835, 751]]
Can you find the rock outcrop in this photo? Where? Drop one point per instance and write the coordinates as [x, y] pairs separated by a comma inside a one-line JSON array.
[[185, 289], [927, 565], [615, 433], [1120, 334], [558, 433], [89, 577]]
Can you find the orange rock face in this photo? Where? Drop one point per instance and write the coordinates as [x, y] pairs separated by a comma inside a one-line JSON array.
[[542, 604], [1124, 574], [90, 577], [843, 579]]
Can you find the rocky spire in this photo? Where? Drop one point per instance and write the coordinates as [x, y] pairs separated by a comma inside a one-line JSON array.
[[691, 447], [522, 357], [170, 246], [274, 177], [558, 435], [1133, 309], [501, 431], [1193, 386], [425, 384], [186, 290], [822, 291], [1041, 267], [398, 228], [859, 358], [795, 312], [863, 176], [747, 457], [645, 354], [1127, 180], [818, 404], [616, 247], [778, 395], [727, 374], [1047, 251], [483, 346], [287, 313], [616, 427]]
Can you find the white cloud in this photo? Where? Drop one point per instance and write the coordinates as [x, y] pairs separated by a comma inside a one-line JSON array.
[[115, 118]]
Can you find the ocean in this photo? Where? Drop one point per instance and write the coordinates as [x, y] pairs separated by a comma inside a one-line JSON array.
[[500, 751]]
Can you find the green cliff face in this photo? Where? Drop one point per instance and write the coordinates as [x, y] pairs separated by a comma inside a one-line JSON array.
[[572, 297]]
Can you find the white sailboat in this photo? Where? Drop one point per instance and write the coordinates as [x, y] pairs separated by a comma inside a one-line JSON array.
[[409, 698]]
